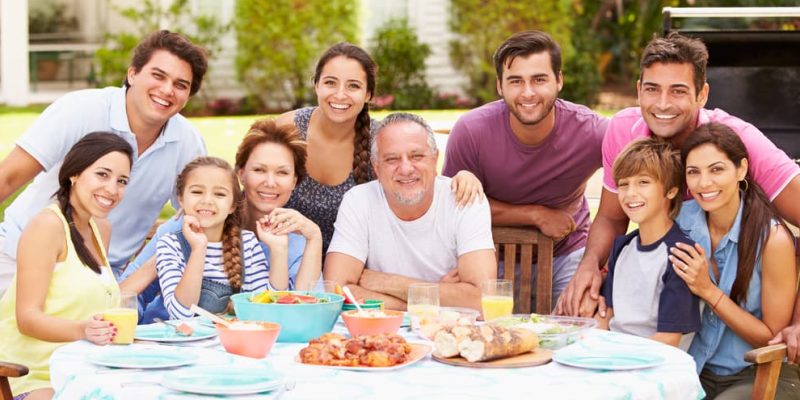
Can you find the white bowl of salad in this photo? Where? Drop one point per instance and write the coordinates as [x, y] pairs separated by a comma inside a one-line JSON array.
[[554, 331]]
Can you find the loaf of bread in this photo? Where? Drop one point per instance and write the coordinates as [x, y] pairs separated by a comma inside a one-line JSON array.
[[485, 342]]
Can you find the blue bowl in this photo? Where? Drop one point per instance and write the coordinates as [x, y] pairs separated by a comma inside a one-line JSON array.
[[299, 322]]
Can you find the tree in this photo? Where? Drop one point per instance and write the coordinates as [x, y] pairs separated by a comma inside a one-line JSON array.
[[481, 28], [401, 60], [114, 57], [279, 41]]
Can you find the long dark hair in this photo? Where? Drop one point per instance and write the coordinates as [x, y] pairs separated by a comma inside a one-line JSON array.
[[361, 166], [82, 155], [231, 228], [757, 213]]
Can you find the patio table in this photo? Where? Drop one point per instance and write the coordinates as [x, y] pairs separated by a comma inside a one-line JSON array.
[[73, 377]]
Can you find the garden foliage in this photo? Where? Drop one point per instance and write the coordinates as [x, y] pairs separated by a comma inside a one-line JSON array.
[[401, 67], [279, 42]]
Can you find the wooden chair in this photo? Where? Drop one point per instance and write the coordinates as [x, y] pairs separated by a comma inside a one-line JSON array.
[[768, 361], [9, 370], [509, 238]]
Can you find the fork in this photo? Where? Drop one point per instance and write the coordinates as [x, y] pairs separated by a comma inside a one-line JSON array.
[[287, 386], [173, 326]]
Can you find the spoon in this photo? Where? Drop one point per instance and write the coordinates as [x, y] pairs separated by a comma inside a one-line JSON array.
[[205, 313], [349, 295]]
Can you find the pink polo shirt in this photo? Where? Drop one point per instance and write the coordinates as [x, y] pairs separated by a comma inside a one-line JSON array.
[[770, 167]]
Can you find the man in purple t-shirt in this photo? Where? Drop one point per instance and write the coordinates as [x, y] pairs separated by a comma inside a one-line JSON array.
[[532, 152], [672, 91]]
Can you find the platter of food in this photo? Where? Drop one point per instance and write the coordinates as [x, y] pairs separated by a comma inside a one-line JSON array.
[[381, 352], [489, 346]]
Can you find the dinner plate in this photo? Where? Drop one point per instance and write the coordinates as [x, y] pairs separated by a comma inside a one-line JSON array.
[[609, 362], [160, 332], [141, 357], [223, 380], [418, 352]]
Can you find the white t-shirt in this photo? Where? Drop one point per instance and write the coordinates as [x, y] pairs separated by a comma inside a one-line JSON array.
[[426, 248]]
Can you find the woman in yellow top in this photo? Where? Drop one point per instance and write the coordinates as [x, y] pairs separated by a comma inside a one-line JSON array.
[[63, 281]]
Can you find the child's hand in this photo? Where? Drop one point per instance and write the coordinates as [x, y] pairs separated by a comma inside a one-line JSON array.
[[286, 220], [99, 331], [266, 233], [467, 188], [690, 263], [194, 233]]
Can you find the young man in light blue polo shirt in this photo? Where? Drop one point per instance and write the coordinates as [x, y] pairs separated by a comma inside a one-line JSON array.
[[165, 71]]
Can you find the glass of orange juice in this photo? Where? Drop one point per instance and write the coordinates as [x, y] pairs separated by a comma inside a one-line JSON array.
[[123, 314], [497, 298], [423, 303]]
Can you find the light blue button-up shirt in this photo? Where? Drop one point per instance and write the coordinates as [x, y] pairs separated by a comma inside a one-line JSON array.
[[716, 346], [152, 181]]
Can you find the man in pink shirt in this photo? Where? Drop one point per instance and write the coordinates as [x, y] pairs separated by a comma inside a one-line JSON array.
[[672, 91]]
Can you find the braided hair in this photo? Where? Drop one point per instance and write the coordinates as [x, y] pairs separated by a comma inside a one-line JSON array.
[[231, 229], [361, 165], [81, 156]]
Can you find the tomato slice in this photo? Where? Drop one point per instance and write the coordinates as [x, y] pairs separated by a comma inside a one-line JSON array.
[[288, 299], [306, 299]]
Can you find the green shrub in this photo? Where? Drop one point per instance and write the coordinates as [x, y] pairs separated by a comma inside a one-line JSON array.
[[480, 29], [113, 59], [279, 41], [401, 61]]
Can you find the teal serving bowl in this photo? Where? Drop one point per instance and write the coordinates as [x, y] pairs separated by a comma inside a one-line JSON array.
[[299, 322]]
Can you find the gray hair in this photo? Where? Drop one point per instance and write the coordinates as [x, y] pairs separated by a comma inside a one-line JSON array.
[[396, 118]]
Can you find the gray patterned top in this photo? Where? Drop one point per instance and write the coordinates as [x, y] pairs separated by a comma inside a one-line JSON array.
[[316, 201]]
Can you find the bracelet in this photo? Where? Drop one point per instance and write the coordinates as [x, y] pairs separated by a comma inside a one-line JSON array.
[[721, 293]]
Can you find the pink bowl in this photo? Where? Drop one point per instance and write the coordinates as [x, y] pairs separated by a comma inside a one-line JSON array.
[[255, 343], [365, 325]]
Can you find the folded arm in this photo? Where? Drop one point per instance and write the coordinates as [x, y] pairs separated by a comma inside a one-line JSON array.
[[347, 270]]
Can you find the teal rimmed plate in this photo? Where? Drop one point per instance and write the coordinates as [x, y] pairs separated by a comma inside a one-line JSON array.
[[141, 357], [609, 362], [227, 380], [161, 333]]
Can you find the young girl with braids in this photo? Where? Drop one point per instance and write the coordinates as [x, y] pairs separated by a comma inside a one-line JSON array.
[[338, 133], [63, 280], [211, 257], [742, 267]]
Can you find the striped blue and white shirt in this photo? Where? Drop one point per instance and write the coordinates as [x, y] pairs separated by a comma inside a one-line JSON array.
[[170, 265]]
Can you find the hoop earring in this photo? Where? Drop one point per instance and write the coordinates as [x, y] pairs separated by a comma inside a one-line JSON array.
[[746, 185]]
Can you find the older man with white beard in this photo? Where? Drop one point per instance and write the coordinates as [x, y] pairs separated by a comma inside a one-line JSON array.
[[406, 228]]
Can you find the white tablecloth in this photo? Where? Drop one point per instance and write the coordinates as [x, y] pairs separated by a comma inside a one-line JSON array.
[[75, 378]]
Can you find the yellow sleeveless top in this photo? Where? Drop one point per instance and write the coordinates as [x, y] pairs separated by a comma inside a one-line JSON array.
[[75, 293]]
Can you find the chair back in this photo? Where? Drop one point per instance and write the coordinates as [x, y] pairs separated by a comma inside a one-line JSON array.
[[510, 239], [768, 361], [9, 370]]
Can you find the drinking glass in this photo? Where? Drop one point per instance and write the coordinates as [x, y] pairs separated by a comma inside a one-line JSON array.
[[423, 303], [123, 313], [497, 298], [320, 286]]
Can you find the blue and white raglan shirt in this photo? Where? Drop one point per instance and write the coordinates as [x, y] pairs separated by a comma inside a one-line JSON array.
[[170, 265], [645, 292]]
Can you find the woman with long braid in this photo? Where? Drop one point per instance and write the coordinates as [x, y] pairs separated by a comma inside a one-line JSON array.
[[338, 132], [63, 280]]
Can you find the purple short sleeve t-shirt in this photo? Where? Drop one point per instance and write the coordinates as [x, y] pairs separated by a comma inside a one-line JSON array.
[[552, 173], [770, 167]]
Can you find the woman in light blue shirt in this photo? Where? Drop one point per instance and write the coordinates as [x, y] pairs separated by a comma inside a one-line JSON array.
[[749, 284]]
